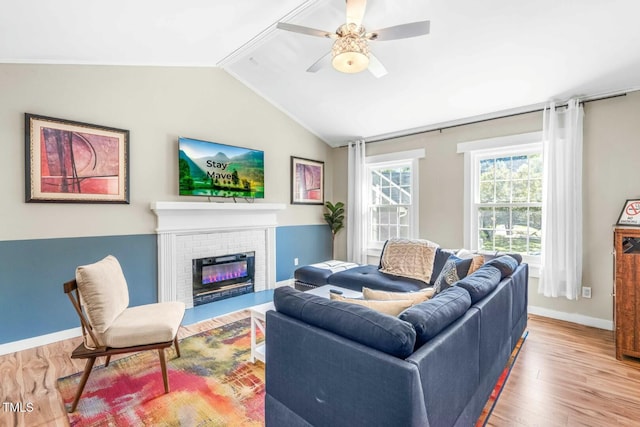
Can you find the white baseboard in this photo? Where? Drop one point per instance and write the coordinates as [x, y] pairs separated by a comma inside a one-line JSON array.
[[25, 344], [287, 282], [573, 318]]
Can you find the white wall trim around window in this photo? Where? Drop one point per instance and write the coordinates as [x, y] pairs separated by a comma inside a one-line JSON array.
[[396, 157], [486, 147]]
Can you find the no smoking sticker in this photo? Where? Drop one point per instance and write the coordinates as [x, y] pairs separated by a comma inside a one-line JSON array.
[[630, 214]]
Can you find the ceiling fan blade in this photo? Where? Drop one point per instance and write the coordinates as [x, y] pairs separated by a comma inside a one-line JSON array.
[[355, 11], [404, 31], [375, 66], [323, 62], [305, 30]]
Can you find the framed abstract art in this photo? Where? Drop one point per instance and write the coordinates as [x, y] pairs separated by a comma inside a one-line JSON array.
[[307, 181], [74, 162]]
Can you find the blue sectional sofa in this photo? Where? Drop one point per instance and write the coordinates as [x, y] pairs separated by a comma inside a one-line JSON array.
[[309, 277], [332, 363]]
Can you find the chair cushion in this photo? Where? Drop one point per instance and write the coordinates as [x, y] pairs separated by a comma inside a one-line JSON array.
[[103, 292], [145, 324]]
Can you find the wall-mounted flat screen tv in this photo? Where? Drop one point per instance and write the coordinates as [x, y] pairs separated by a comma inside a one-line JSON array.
[[214, 169]]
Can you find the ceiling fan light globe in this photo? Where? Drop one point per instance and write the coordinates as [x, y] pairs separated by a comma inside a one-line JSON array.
[[350, 62], [350, 54]]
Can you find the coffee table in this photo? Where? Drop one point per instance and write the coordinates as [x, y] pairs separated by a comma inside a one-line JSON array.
[[259, 319]]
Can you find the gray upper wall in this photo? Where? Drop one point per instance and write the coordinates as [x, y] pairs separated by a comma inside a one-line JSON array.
[[611, 153], [157, 105]]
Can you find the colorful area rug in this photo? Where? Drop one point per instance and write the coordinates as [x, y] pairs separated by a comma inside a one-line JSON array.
[[502, 380], [212, 384]]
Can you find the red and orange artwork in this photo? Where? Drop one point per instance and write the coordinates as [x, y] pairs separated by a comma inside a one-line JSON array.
[[78, 162]]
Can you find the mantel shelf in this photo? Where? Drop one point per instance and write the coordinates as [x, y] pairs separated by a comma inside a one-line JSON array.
[[189, 216]]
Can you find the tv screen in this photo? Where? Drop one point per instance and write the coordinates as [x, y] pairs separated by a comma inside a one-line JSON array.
[[213, 169]]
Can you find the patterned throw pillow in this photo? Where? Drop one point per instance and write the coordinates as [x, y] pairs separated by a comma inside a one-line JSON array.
[[391, 307], [454, 269]]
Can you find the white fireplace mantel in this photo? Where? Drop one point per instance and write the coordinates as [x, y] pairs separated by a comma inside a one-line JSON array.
[[178, 216], [189, 230]]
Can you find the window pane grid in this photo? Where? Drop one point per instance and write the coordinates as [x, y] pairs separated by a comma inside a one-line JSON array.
[[390, 203], [508, 206]]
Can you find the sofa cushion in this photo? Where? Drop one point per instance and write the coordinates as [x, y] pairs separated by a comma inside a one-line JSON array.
[[489, 257], [361, 324], [414, 297], [454, 269], [432, 316], [506, 264], [369, 276], [316, 274], [390, 307], [412, 258], [481, 283]]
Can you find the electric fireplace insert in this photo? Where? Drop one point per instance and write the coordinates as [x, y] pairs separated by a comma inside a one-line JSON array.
[[217, 278]]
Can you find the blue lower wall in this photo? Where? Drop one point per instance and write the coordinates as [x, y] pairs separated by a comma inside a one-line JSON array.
[[32, 272], [308, 243]]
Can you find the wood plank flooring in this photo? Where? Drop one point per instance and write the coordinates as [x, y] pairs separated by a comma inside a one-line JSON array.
[[565, 375]]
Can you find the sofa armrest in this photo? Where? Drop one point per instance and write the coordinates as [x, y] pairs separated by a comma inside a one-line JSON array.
[[325, 379]]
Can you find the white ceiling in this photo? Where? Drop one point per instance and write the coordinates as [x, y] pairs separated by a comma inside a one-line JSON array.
[[481, 59]]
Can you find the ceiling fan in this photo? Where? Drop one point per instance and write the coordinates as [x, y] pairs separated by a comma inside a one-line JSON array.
[[350, 52]]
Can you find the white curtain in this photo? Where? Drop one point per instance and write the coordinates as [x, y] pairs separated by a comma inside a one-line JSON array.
[[356, 204], [561, 264]]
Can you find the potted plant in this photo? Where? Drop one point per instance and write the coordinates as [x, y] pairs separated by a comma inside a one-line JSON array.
[[335, 218]]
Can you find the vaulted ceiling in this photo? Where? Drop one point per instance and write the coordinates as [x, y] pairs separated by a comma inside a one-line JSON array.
[[481, 58]]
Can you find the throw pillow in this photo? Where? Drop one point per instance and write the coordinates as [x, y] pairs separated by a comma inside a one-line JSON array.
[[454, 269], [411, 258], [414, 297], [390, 307], [477, 261]]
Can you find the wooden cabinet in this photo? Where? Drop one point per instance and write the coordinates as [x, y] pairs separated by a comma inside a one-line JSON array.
[[627, 291]]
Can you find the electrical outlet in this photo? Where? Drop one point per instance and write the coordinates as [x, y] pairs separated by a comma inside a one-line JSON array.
[[586, 292], [295, 261]]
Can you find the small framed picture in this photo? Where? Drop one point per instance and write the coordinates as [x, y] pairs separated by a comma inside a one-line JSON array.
[[75, 162], [630, 214], [307, 181]]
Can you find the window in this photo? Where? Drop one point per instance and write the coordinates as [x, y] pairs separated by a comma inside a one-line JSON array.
[[504, 195], [392, 197]]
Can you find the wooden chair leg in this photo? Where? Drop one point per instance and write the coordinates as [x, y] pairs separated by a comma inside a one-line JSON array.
[[106, 363], [163, 366], [175, 342], [83, 381]]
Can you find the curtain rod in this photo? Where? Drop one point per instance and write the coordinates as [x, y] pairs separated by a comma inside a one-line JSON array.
[[537, 110]]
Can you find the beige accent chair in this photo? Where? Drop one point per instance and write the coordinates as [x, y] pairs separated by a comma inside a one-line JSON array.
[[100, 296]]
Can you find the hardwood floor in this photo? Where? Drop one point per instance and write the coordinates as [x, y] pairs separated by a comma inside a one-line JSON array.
[[565, 375]]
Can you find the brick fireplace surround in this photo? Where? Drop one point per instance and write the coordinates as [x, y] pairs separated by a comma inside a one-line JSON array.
[[189, 230]]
